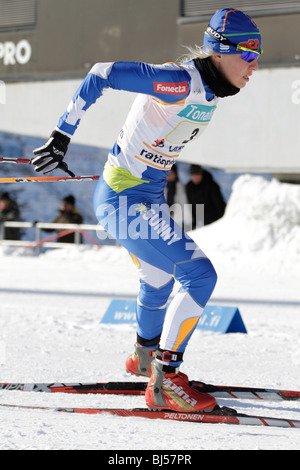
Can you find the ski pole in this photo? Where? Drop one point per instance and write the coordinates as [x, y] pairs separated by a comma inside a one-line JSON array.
[[40, 179], [62, 166], [45, 179], [25, 161]]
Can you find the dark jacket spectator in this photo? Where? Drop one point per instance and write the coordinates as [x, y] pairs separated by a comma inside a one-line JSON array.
[[68, 214], [202, 189], [9, 212], [176, 199]]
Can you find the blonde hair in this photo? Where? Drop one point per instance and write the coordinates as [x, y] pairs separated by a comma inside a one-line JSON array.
[[196, 52]]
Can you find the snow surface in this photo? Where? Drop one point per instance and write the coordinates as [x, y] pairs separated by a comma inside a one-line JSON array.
[[50, 331]]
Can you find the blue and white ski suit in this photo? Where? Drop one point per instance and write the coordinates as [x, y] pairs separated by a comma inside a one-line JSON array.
[[173, 107]]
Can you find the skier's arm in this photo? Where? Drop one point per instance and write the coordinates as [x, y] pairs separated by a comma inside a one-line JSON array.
[[167, 83]]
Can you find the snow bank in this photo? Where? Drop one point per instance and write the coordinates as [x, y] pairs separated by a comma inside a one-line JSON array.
[[262, 222]]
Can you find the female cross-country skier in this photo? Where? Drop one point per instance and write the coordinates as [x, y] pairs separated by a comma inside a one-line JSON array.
[[174, 105]]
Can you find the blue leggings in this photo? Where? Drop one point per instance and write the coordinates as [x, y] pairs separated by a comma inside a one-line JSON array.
[[163, 253]]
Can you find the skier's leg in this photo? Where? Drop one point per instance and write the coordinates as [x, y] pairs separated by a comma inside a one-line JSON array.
[[198, 278], [155, 288], [169, 388], [150, 234]]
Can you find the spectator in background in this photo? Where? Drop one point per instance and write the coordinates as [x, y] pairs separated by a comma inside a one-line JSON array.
[[176, 199], [202, 189], [9, 212], [68, 214]]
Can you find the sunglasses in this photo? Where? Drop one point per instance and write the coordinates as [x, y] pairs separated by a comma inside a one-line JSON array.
[[248, 55]]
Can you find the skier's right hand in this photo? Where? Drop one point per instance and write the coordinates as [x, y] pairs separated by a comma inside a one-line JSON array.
[[50, 156]]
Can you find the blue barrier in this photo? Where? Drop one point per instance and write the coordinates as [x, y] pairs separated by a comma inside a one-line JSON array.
[[221, 319], [214, 318]]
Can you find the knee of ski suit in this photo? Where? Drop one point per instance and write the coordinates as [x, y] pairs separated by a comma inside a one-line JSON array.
[[198, 277]]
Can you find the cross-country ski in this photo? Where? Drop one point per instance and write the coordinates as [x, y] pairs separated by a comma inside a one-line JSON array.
[[224, 416], [138, 388]]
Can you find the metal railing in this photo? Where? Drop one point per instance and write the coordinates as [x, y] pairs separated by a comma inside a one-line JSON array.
[[79, 230]]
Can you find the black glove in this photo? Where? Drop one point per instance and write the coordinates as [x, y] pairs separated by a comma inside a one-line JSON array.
[[50, 156]]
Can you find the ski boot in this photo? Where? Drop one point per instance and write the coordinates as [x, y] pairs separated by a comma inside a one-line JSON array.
[[139, 363], [170, 389]]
